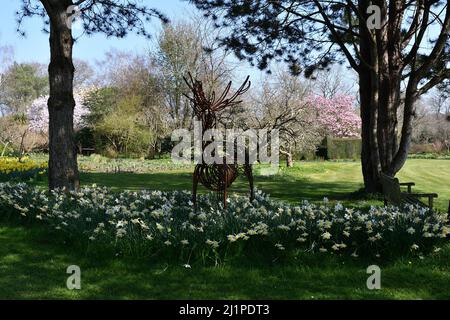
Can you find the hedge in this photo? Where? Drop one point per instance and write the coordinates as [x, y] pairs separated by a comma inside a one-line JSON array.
[[343, 148]]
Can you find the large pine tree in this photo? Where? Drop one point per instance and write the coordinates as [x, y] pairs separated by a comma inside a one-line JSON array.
[[397, 61], [111, 17]]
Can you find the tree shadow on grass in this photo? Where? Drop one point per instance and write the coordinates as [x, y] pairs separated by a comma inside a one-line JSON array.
[[306, 189], [33, 268], [284, 188], [133, 181], [33, 265]]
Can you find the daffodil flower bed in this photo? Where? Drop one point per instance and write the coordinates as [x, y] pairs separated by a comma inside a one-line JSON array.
[[20, 169], [151, 222]]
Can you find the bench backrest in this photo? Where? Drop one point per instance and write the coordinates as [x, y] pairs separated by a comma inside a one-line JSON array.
[[391, 189]]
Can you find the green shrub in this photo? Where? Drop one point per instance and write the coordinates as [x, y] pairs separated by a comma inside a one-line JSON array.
[[343, 148], [439, 156], [6, 150], [306, 155]]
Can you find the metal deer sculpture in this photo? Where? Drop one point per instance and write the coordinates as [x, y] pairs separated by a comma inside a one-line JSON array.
[[216, 177]]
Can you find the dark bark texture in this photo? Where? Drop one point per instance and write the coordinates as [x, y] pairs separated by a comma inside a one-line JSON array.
[[63, 168], [381, 69]]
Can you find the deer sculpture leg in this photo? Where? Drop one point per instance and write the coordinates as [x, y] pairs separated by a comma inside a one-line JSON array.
[[225, 198], [225, 182]]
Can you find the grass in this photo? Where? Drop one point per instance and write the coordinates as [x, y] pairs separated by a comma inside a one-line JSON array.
[[34, 267], [306, 181], [33, 261]]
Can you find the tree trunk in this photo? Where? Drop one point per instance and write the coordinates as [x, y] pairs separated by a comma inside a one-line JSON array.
[[408, 115], [289, 158], [380, 97], [289, 161], [367, 83], [370, 174], [390, 75], [63, 169]]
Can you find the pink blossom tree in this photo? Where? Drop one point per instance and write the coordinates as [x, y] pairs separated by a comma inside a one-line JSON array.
[[336, 115], [38, 113]]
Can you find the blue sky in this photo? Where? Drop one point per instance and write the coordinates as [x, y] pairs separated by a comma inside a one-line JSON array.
[[34, 47]]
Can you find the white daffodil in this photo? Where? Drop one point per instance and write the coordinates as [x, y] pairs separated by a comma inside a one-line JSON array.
[[326, 235], [283, 227], [342, 245], [159, 226], [214, 244]]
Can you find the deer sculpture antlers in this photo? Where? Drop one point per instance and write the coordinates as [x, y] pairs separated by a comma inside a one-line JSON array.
[[216, 177]]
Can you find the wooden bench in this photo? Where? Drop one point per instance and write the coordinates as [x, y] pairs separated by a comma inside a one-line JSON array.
[[393, 194]]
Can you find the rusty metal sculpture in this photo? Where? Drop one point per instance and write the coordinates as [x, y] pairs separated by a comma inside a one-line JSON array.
[[216, 177]]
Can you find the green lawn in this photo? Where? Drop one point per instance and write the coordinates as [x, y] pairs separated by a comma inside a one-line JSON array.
[[306, 181], [32, 266], [33, 261]]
